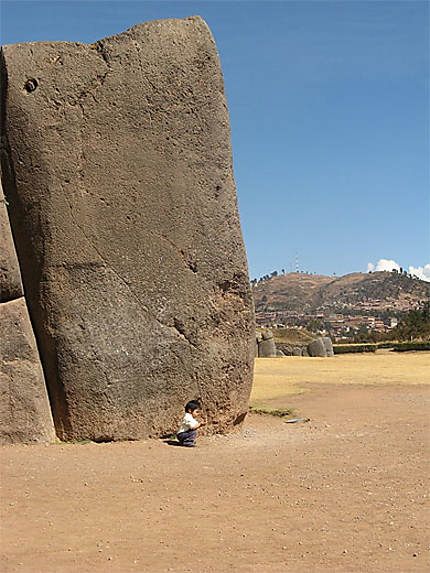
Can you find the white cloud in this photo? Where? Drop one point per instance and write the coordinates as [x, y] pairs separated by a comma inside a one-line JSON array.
[[387, 265], [422, 273]]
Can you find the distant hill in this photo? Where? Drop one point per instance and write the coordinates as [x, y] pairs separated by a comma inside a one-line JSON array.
[[375, 292]]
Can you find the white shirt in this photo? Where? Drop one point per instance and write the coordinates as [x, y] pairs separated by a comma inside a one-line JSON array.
[[188, 423]]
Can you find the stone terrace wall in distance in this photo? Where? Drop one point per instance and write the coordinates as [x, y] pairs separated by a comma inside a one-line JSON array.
[[119, 169]]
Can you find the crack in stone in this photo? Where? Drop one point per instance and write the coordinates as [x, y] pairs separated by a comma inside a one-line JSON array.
[[11, 299], [98, 81], [100, 47], [174, 329], [182, 251], [182, 332]]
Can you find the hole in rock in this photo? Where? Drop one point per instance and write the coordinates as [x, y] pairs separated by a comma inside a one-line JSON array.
[[30, 85]]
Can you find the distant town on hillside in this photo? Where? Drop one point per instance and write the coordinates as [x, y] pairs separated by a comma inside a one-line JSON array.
[[342, 307]]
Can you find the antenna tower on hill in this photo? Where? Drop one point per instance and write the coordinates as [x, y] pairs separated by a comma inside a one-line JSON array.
[[297, 263]]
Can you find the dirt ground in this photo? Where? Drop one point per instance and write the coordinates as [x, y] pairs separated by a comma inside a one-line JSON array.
[[346, 492]]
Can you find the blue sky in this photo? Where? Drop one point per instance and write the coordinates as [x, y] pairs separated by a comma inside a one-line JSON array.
[[329, 108]]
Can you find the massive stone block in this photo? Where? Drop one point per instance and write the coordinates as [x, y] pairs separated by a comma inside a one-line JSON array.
[[25, 415], [117, 162]]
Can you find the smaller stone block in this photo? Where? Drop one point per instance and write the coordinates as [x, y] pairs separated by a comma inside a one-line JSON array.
[[267, 349], [10, 276], [328, 345], [25, 415], [286, 348], [317, 348]]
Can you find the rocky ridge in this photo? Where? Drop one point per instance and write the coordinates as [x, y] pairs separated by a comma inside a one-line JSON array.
[[376, 292]]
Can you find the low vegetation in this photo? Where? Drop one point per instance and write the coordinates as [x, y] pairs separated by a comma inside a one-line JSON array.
[[280, 413], [415, 324], [405, 346], [354, 348], [392, 345]]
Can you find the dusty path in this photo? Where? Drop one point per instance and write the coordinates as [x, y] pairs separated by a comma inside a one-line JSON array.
[[345, 493]]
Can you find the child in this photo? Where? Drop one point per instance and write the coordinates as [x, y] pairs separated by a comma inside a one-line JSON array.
[[188, 429]]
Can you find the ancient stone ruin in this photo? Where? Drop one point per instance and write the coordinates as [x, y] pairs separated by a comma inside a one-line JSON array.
[[117, 167], [322, 347], [266, 345], [319, 347]]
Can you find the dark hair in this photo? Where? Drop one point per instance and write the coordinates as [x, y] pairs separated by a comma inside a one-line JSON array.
[[192, 405]]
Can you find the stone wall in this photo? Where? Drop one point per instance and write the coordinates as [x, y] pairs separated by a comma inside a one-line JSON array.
[[321, 346], [25, 414]]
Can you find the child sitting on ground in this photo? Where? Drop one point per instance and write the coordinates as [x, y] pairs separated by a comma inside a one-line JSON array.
[[187, 432]]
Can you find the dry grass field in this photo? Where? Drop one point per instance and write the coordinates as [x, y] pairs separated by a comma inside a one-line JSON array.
[[346, 492], [275, 379]]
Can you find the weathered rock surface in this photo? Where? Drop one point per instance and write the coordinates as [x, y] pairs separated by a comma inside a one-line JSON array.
[[267, 335], [257, 342], [267, 349], [10, 277], [317, 348], [287, 349], [118, 167], [25, 415], [267, 345], [321, 346], [328, 345]]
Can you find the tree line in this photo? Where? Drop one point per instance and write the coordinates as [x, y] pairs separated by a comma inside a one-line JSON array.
[[414, 325], [275, 274]]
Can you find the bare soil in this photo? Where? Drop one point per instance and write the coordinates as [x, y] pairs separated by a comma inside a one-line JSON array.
[[345, 493]]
